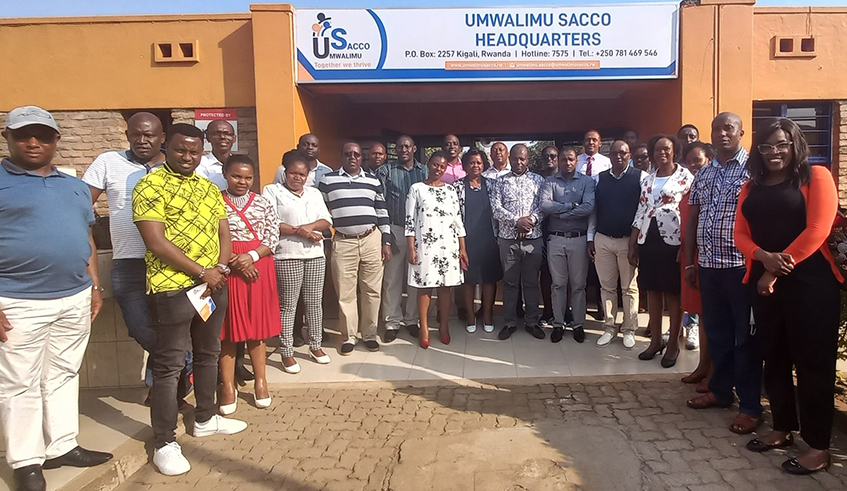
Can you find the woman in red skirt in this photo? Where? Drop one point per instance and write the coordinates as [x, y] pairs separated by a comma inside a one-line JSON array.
[[253, 314]]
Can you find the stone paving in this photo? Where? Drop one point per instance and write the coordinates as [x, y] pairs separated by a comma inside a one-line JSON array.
[[598, 433]]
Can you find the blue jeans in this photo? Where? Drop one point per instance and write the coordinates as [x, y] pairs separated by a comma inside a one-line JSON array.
[[726, 317], [129, 288]]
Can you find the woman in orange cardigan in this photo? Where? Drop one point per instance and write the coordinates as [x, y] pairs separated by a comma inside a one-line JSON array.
[[785, 215]]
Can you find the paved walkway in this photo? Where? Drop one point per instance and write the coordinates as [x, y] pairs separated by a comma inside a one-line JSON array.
[[598, 433], [479, 356]]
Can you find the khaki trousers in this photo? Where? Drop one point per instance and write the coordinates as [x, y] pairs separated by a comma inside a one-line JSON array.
[[39, 380], [612, 262], [357, 271]]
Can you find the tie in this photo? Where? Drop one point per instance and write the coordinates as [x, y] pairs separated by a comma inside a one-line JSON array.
[[588, 167]]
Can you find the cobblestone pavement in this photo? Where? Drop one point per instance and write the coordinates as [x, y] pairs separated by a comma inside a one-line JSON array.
[[625, 432]]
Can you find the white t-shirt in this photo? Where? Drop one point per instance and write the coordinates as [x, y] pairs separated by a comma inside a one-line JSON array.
[[600, 164], [658, 184], [114, 173], [212, 169], [314, 178], [297, 210], [493, 173]]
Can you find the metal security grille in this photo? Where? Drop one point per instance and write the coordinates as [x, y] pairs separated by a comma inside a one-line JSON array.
[[814, 118]]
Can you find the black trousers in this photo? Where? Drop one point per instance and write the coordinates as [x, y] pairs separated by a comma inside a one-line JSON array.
[[180, 329], [798, 327]]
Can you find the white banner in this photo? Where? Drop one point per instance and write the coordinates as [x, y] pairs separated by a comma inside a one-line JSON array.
[[638, 41]]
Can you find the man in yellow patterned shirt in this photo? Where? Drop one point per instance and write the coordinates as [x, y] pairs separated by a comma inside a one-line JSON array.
[[182, 219]]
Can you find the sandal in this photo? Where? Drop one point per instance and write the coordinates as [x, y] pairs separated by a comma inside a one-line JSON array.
[[792, 466], [705, 401], [702, 389], [744, 424], [693, 379], [758, 446]]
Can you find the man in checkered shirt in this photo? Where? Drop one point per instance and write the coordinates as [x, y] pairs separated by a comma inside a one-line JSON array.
[[726, 303]]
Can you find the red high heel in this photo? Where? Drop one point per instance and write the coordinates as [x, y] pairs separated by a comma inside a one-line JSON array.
[[445, 338], [423, 341]]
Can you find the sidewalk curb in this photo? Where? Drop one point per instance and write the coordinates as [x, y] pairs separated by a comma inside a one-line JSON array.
[[129, 459]]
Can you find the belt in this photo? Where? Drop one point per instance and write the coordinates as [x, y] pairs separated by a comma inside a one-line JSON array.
[[567, 235], [360, 236], [615, 236]]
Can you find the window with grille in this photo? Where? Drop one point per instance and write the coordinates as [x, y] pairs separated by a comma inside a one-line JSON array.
[[814, 118]]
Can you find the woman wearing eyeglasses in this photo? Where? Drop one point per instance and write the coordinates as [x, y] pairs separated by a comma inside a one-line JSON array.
[[784, 218]]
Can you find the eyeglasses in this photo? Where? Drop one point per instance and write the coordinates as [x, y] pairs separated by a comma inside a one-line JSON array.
[[622, 153], [552, 156], [766, 148]]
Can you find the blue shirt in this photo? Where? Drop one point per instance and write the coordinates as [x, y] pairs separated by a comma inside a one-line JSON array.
[[568, 202], [44, 221]]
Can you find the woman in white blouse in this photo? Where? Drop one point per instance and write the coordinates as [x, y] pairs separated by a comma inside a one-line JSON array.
[[655, 241], [299, 257]]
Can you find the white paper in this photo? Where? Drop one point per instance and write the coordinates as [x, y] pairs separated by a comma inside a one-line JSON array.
[[203, 306]]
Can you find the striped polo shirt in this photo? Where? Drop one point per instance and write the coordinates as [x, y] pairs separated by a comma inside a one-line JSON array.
[[356, 203], [117, 173]]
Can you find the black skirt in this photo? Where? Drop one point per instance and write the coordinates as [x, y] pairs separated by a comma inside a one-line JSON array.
[[658, 268]]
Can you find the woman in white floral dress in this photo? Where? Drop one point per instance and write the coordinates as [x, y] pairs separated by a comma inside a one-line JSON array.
[[436, 238]]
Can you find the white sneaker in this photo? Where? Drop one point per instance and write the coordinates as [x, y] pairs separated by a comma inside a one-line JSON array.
[[471, 328], [606, 338], [218, 425], [488, 328], [170, 461], [692, 340], [628, 340]]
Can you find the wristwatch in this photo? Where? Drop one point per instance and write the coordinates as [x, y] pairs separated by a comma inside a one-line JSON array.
[[98, 288], [224, 268]]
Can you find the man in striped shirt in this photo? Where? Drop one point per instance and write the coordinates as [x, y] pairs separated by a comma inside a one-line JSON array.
[[397, 178], [116, 173], [362, 243]]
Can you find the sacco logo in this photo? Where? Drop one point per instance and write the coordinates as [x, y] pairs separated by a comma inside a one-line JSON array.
[[322, 31]]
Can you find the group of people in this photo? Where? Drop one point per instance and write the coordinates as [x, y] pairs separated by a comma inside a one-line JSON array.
[[203, 266]]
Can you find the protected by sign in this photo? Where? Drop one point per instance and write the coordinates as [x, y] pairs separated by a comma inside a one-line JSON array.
[[202, 118], [638, 41]]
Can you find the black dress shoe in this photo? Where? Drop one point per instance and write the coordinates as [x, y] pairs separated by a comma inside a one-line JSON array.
[[506, 332], [390, 335], [243, 373], [792, 466], [668, 362], [78, 457], [372, 345], [558, 334], [347, 349], [536, 331], [413, 329], [30, 478], [758, 446], [579, 334], [299, 341]]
